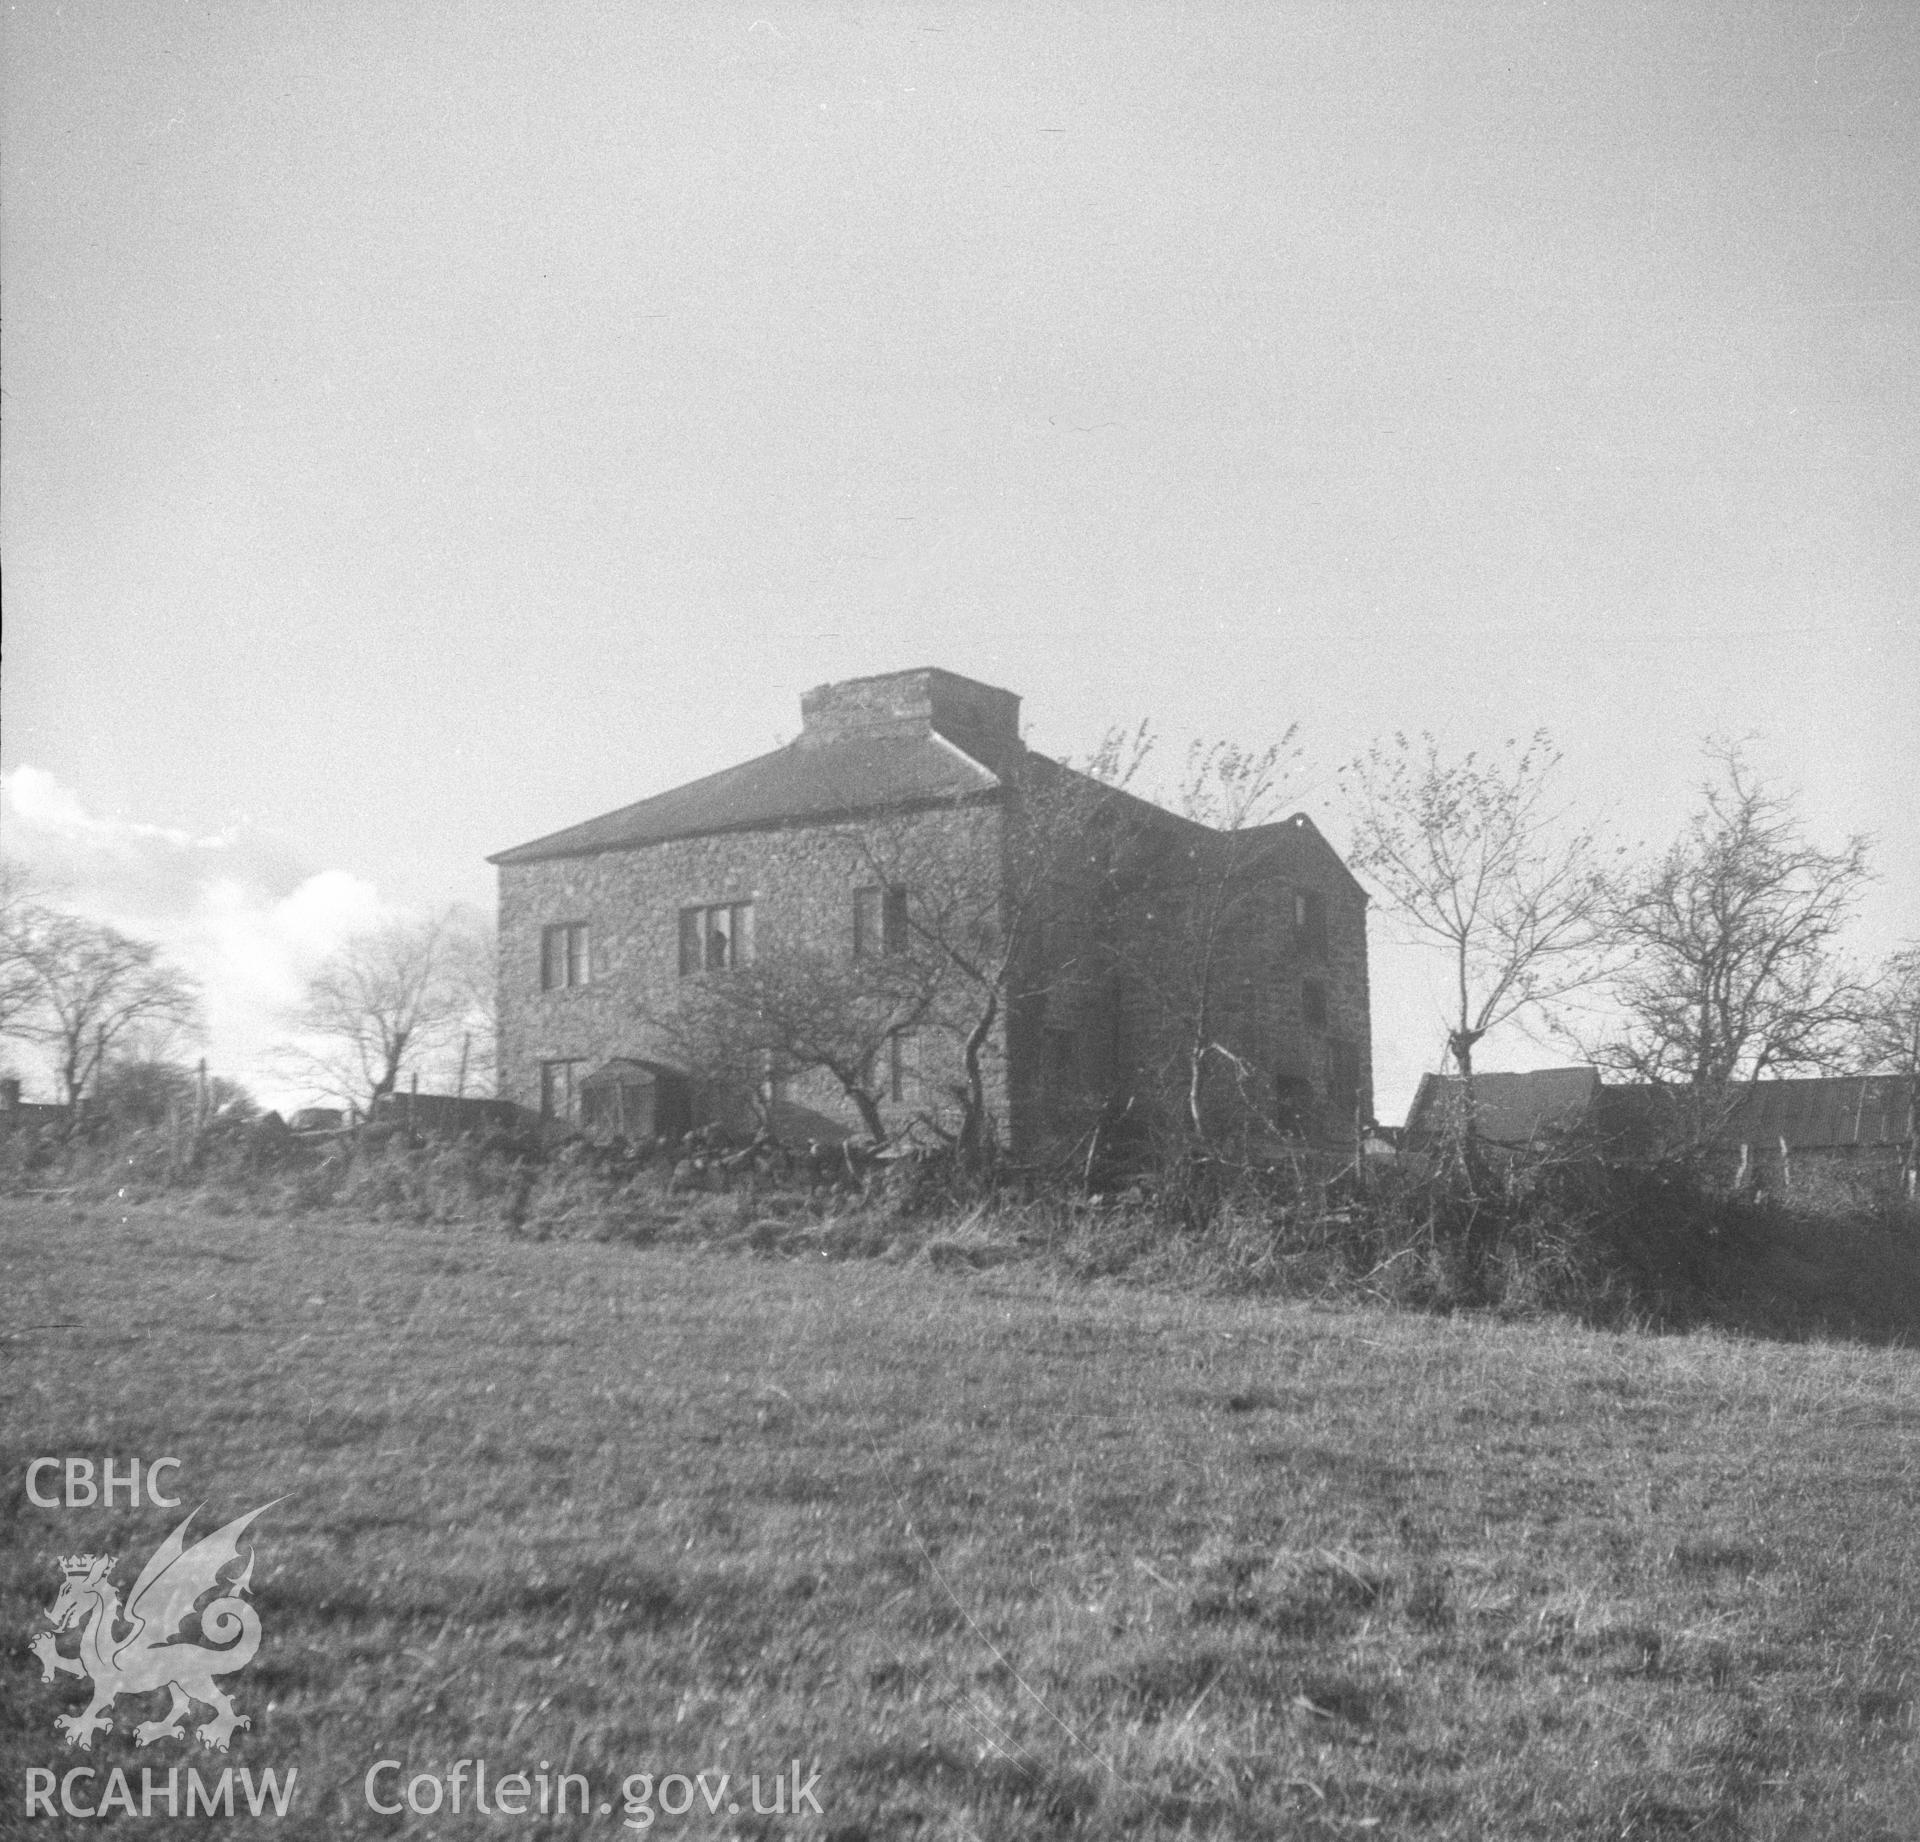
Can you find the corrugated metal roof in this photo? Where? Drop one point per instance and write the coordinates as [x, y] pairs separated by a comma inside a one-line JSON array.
[[1510, 1109], [1822, 1111], [1811, 1112], [807, 782]]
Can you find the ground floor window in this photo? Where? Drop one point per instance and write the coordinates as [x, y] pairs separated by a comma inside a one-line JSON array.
[[1343, 1078], [1063, 1060], [1292, 1102], [903, 1065], [893, 1070], [560, 1091], [1313, 1004]]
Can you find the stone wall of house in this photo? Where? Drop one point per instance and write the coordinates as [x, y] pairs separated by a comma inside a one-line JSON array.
[[1277, 970], [1104, 1001], [801, 882], [1098, 1004], [1191, 896]]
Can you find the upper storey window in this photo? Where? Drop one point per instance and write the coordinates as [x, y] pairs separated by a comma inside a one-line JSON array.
[[566, 956], [879, 921], [716, 937], [1310, 922]]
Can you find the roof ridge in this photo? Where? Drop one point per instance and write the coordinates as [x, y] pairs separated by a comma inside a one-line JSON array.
[[971, 760]]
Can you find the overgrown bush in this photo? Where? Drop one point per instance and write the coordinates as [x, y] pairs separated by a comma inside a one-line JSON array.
[[1608, 1242]]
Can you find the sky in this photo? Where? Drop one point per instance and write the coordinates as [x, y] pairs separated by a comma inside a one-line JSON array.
[[427, 425]]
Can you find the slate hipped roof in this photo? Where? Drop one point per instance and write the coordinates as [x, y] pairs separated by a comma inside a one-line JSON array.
[[791, 786], [870, 744], [891, 743]]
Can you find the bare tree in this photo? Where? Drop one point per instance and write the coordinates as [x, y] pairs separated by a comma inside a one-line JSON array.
[[1005, 905], [1887, 1029], [1089, 885], [1730, 945], [978, 910], [1886, 1038], [1478, 857], [1235, 793], [795, 1011], [382, 996], [20, 913], [88, 988], [143, 1090], [1189, 891], [959, 887]]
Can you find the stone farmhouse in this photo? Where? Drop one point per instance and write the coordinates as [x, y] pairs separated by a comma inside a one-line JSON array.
[[1084, 939]]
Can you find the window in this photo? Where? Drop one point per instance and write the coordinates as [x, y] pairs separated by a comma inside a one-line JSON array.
[[560, 1091], [1063, 1061], [879, 921], [1292, 1102], [1343, 1083], [564, 956], [903, 1064], [1310, 922], [1313, 1004], [716, 938], [893, 1071], [615, 1106]]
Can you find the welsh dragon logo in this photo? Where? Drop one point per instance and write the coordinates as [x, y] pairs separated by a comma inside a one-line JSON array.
[[156, 1653]]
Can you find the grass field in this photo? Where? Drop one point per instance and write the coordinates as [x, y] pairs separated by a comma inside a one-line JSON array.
[[997, 1556]]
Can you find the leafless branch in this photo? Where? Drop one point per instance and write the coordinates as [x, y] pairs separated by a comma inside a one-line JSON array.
[[1477, 857], [87, 988], [1731, 941], [383, 996]]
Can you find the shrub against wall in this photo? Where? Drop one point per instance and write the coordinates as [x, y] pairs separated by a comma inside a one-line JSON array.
[[1617, 1244]]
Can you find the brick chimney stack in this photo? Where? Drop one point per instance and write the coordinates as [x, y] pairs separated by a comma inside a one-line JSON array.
[[976, 717]]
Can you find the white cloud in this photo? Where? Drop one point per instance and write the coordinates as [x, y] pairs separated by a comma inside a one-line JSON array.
[[237, 909], [39, 801]]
